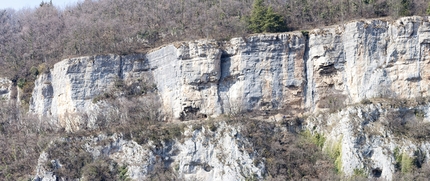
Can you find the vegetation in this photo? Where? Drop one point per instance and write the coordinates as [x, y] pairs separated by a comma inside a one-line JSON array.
[[22, 139], [335, 153], [32, 40], [408, 123], [264, 19], [287, 155], [317, 138], [47, 34], [404, 163], [360, 173], [428, 9], [287, 152]]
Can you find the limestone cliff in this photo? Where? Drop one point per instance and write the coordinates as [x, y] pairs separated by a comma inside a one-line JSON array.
[[288, 71], [67, 91], [313, 73], [368, 138], [201, 154]]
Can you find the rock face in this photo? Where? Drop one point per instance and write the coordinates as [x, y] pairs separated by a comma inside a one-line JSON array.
[[206, 79], [289, 71], [5, 89], [369, 59], [331, 67], [366, 140], [69, 88], [187, 78], [201, 154]]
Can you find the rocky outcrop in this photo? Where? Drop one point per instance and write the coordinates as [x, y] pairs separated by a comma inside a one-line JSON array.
[[200, 154], [68, 90], [368, 59], [368, 137], [315, 73], [332, 67], [327, 68], [204, 78], [6, 88]]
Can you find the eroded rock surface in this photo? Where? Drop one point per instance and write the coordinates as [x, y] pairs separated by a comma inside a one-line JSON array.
[[266, 72], [367, 137], [201, 154], [324, 74], [69, 90], [368, 59], [5, 89]]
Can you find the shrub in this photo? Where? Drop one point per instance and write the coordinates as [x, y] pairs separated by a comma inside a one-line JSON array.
[[122, 175], [428, 9], [286, 155], [34, 71], [43, 68], [405, 7], [305, 33], [337, 155], [21, 83], [366, 101], [404, 163], [317, 138], [72, 158], [101, 169], [360, 173]]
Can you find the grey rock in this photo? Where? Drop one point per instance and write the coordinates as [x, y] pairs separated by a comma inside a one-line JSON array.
[[6, 88]]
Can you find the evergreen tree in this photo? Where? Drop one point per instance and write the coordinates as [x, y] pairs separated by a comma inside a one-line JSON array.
[[264, 19], [257, 18], [273, 22], [405, 6]]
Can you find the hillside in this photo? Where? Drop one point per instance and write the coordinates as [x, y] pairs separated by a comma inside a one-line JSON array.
[[110, 90], [33, 40], [345, 101]]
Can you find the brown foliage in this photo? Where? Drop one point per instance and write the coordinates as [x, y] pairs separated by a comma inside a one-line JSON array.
[[286, 154], [21, 140]]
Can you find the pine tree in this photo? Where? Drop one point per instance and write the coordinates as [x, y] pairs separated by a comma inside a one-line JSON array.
[[405, 6], [273, 22], [257, 19], [264, 19]]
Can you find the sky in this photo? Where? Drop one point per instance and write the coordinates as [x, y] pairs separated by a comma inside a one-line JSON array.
[[19, 4]]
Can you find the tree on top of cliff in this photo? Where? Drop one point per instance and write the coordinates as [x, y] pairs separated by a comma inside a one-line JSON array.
[[428, 9], [264, 19], [405, 7], [47, 34]]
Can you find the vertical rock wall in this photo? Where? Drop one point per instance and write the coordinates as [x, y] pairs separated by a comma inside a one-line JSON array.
[[286, 72], [67, 91], [368, 59]]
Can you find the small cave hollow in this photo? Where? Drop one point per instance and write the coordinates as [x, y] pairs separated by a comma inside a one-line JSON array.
[[376, 172], [325, 70]]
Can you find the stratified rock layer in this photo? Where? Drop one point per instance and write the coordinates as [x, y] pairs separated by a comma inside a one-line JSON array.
[[327, 68], [69, 89], [200, 154], [369, 59], [290, 73], [206, 79]]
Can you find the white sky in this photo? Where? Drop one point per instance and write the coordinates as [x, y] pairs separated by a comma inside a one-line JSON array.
[[19, 4]]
